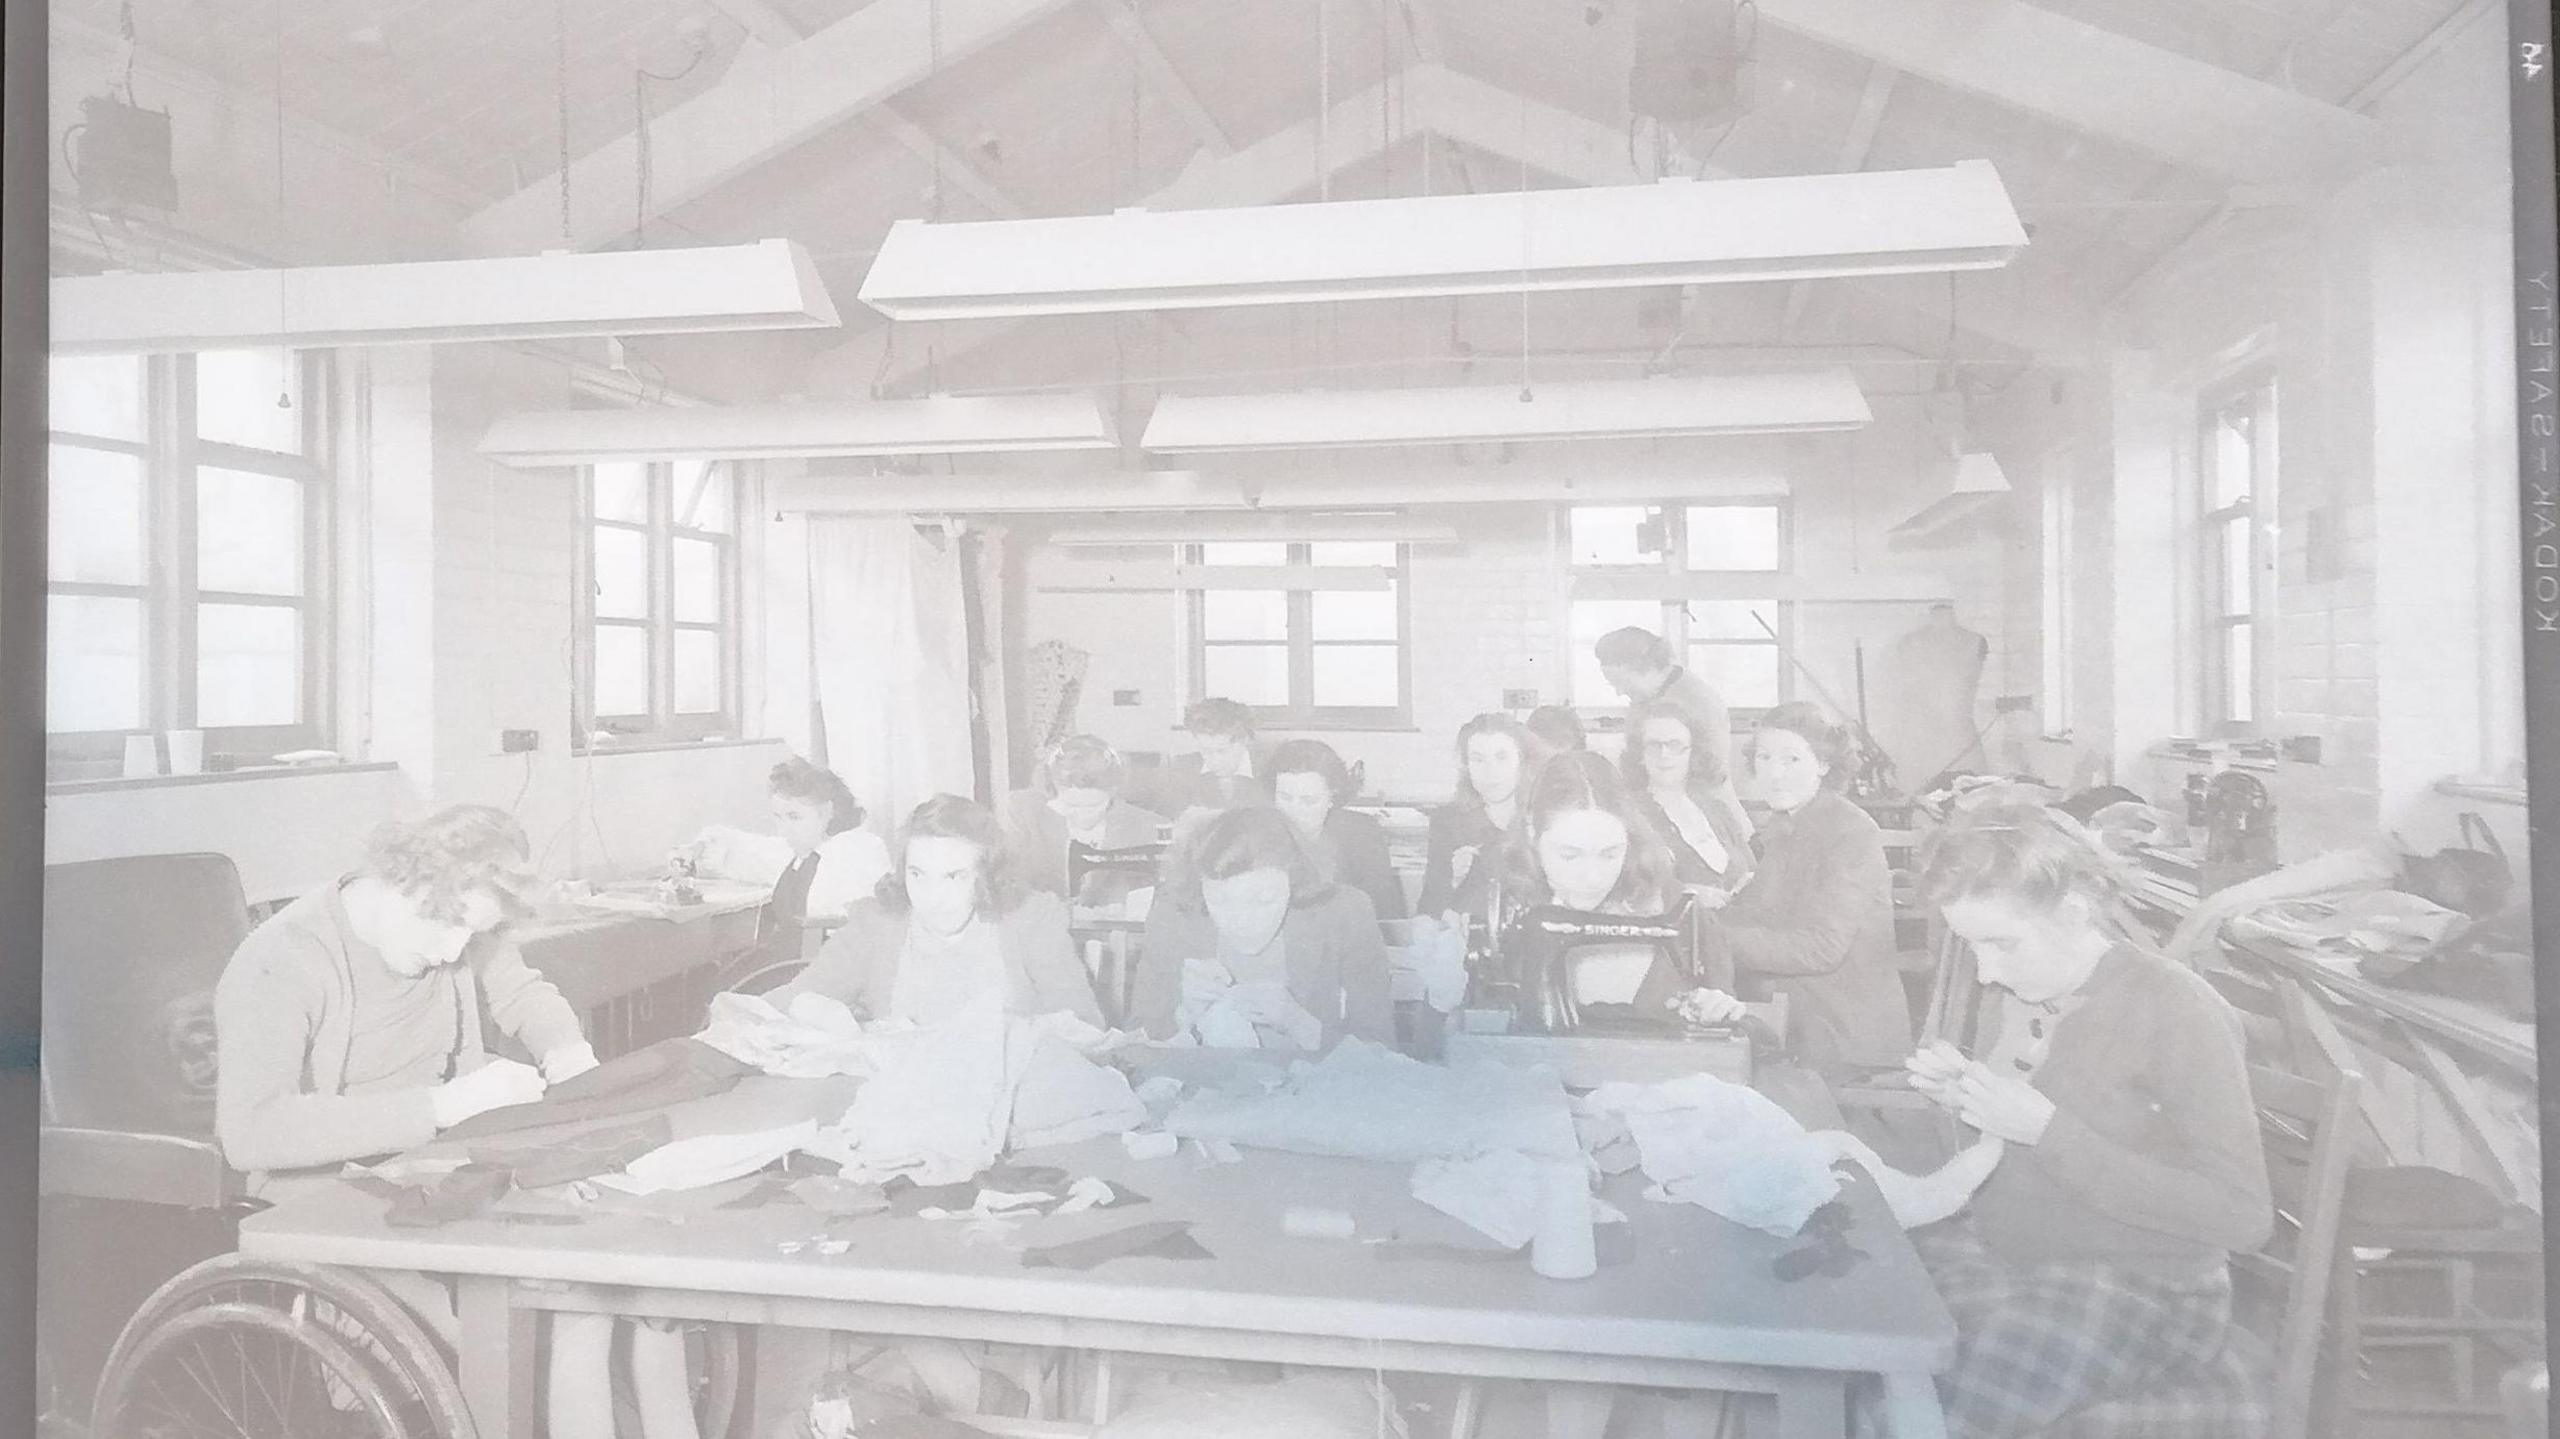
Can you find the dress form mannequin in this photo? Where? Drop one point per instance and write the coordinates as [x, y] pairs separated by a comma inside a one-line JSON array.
[[1925, 715]]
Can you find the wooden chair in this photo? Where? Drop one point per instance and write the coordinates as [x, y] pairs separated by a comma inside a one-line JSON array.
[[1953, 1013], [2267, 1379]]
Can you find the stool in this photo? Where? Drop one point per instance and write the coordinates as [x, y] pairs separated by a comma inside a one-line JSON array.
[[2425, 1330]]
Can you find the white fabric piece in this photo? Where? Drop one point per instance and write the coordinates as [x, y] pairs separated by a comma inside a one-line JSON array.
[[935, 1107], [814, 1038], [1365, 1101], [709, 1159], [1724, 1147], [1086, 1193], [1497, 1195], [1431, 967], [1063, 1097]]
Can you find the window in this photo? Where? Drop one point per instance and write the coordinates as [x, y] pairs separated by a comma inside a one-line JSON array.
[[659, 591], [188, 565], [2055, 601], [1325, 649], [1733, 643], [2236, 474]]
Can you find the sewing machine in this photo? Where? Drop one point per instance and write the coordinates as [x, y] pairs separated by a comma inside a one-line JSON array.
[[1139, 861], [2239, 830]]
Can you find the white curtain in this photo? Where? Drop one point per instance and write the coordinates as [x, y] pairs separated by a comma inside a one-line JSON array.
[[891, 661]]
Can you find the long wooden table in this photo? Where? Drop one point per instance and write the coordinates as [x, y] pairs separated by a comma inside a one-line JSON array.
[[1698, 1309], [637, 978]]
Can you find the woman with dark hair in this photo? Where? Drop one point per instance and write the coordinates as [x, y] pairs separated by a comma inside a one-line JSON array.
[[2083, 1241], [1493, 757], [1816, 922], [950, 930], [819, 860], [1078, 801], [1679, 779], [1309, 786], [1301, 956], [1555, 730]]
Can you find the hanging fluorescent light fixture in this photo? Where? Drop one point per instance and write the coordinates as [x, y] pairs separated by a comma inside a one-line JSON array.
[[1660, 407], [1674, 232], [767, 285], [939, 425]]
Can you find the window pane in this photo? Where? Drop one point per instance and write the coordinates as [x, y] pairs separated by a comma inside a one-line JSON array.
[[250, 397], [622, 574], [1591, 620], [697, 565], [248, 665], [1244, 552], [95, 395], [622, 670], [2239, 672], [1247, 674], [1244, 615], [1732, 619], [697, 672], [248, 532], [622, 493], [94, 532], [92, 663], [1360, 675], [1733, 537], [1607, 535], [1745, 675], [2238, 593], [1354, 615], [705, 497], [1353, 552]]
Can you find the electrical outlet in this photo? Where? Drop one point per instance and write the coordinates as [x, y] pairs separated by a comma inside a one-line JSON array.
[[1124, 699], [1519, 699], [2302, 748], [2013, 704], [519, 741]]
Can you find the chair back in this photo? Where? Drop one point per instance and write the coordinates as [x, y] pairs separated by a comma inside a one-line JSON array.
[[2309, 1129], [132, 950]]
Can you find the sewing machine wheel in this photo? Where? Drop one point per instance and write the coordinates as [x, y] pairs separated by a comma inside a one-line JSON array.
[[244, 1348]]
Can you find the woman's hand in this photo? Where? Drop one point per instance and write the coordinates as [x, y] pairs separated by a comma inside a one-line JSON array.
[[1271, 1007], [1934, 1066], [1703, 1007], [2000, 1106]]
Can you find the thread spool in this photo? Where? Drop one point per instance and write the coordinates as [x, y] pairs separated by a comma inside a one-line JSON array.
[[1563, 1247], [1308, 1223]]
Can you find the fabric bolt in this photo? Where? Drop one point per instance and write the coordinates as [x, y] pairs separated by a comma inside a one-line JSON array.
[[541, 1163], [1725, 1148], [1155, 1239], [641, 1082], [2036, 1342]]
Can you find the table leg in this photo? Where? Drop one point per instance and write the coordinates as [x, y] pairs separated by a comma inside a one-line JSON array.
[[1911, 1407], [495, 1358], [1466, 1408], [1579, 1411], [1813, 1406]]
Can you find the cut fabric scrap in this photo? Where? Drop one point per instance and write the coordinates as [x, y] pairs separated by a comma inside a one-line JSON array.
[[709, 1159], [1063, 1097], [1723, 1147], [1156, 1239], [1365, 1101], [1497, 1194]]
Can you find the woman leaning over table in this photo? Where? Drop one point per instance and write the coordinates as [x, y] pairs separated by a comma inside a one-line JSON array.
[[2082, 1242]]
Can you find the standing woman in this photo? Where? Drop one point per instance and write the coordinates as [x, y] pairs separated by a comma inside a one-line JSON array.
[[1467, 832], [1816, 922], [951, 932], [1078, 801], [1310, 784], [1304, 953], [2083, 1242], [819, 859], [1680, 781]]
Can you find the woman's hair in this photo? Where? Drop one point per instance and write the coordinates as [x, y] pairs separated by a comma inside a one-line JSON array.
[[1312, 756], [1214, 716], [2028, 854], [442, 859], [1634, 648], [796, 778], [1232, 842], [1558, 729], [1494, 724], [1578, 781], [1829, 742], [1083, 762], [1706, 767], [948, 816]]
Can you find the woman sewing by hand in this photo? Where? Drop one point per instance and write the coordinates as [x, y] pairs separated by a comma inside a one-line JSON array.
[[1582, 842], [1249, 944], [1678, 778], [2083, 1241]]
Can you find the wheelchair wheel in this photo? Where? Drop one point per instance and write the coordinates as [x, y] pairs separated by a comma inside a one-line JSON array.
[[340, 1306], [244, 1371]]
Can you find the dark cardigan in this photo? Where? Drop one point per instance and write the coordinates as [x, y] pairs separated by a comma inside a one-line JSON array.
[[1336, 962], [1353, 848], [859, 965], [1455, 826]]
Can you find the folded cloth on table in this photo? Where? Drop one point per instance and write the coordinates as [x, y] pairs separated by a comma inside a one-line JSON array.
[[665, 1073], [1063, 1097], [1723, 1147], [709, 1159], [1363, 1100], [1498, 1195], [1156, 1239], [935, 1108], [815, 1037]]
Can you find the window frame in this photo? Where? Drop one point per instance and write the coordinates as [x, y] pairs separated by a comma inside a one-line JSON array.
[[662, 723], [2253, 395], [171, 453], [1302, 712], [2057, 602], [1675, 621]]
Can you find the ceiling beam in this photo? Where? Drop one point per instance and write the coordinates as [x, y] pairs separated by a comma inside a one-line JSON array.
[[770, 101], [1140, 42], [1854, 150], [950, 167], [2152, 101], [762, 19], [1551, 141]]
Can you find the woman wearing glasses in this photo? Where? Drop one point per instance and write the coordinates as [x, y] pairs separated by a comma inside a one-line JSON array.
[[1679, 779]]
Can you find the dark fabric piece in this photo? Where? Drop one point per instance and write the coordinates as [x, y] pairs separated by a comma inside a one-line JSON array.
[[778, 928], [1157, 1239], [643, 1081], [463, 1194], [538, 1164], [906, 1196]]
